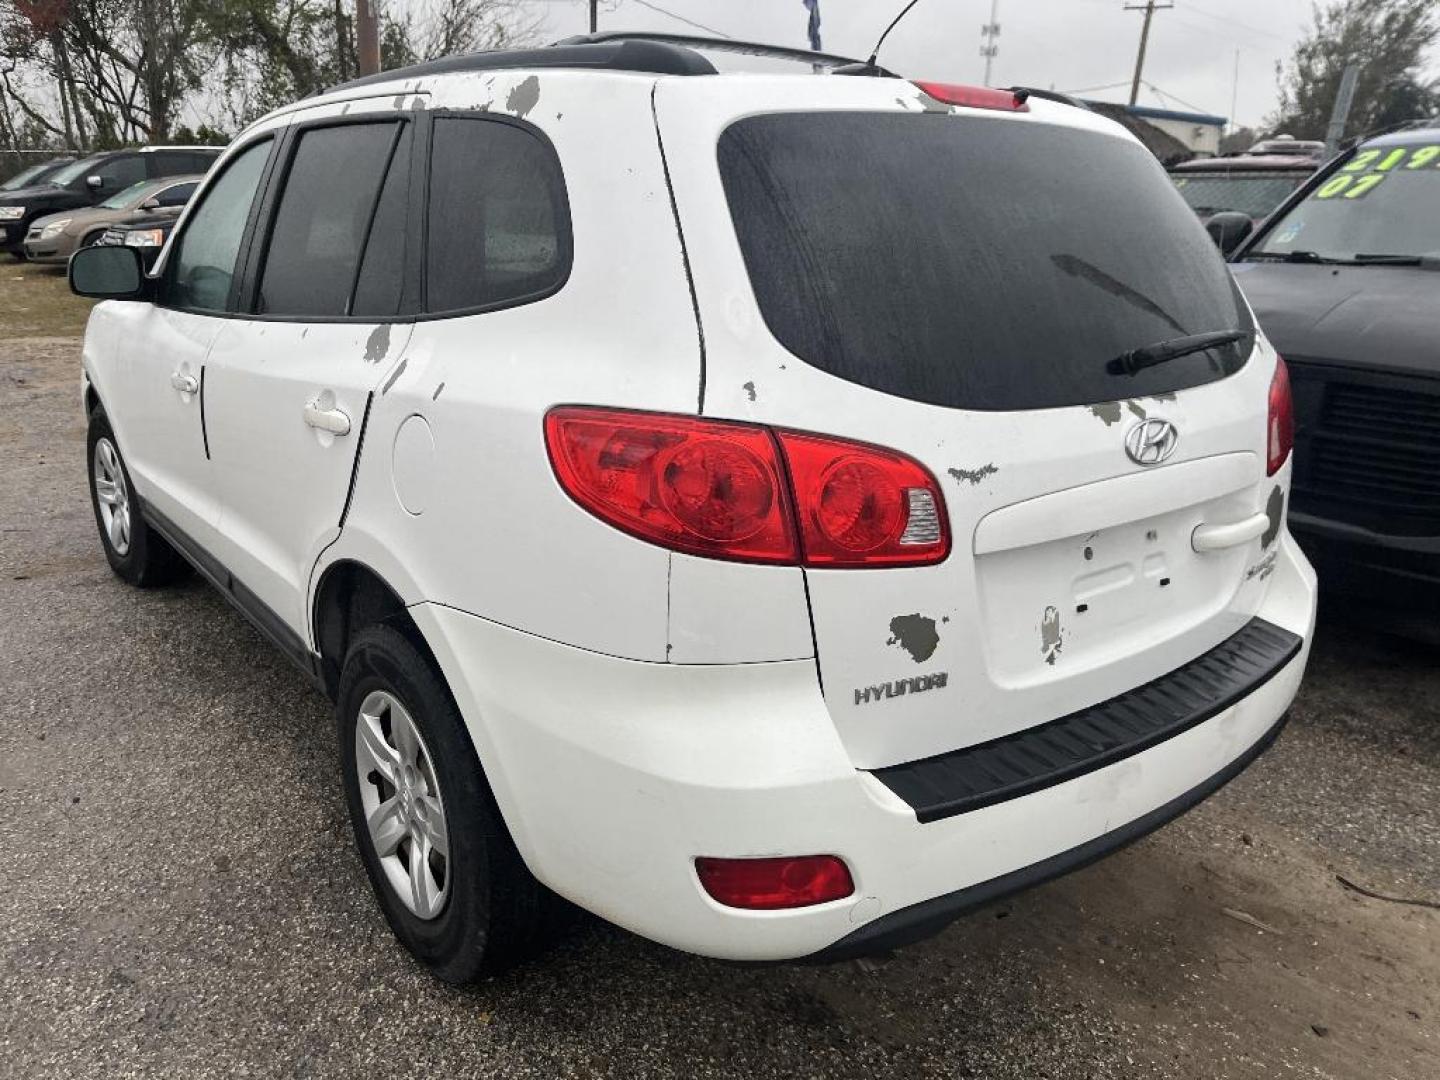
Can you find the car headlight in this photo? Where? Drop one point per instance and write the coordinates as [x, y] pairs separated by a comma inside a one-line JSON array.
[[53, 228], [145, 238], [11, 213]]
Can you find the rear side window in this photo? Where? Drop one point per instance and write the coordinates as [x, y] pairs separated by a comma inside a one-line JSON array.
[[202, 267], [322, 220], [498, 229], [382, 268], [973, 263]]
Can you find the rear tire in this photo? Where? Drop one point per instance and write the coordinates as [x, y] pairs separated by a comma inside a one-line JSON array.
[[408, 766], [135, 551]]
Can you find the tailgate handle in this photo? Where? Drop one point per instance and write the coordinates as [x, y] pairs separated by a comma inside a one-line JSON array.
[[1218, 537]]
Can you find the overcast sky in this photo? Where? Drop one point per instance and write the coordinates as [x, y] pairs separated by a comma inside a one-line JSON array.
[[1071, 45]]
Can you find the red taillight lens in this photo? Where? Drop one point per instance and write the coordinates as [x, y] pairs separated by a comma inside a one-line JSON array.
[[688, 484], [719, 489], [863, 505], [769, 884], [975, 97], [1280, 439]]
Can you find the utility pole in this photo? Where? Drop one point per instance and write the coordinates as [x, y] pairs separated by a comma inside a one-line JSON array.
[[594, 15], [1149, 9], [989, 47], [367, 37], [1235, 92], [1341, 113]]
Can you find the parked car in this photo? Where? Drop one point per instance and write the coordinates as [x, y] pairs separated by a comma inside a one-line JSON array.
[[148, 235], [1253, 183], [1344, 280], [35, 174], [697, 503], [55, 237], [92, 180]]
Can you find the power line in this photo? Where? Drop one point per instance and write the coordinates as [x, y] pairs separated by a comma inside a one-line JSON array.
[[1192, 6], [683, 19]]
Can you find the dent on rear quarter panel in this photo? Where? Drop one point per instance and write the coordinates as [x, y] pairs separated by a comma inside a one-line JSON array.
[[501, 539]]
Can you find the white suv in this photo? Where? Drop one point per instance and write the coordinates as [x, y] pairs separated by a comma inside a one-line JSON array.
[[775, 512]]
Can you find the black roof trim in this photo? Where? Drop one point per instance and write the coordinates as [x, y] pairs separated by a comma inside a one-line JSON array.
[[719, 44], [623, 53]]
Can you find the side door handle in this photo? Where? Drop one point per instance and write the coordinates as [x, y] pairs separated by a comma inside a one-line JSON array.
[[1216, 537], [332, 420], [186, 384]]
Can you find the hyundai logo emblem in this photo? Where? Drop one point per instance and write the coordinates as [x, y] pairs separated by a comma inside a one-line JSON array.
[[1151, 441]]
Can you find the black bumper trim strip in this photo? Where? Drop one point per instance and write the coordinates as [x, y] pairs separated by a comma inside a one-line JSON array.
[[1027, 761]]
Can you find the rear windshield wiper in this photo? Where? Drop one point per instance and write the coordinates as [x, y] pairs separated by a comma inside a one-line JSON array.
[[1162, 351]]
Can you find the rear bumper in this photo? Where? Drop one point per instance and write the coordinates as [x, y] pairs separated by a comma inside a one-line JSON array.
[[614, 775]]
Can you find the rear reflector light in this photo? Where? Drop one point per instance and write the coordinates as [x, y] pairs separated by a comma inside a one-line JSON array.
[[975, 97], [770, 884], [747, 493], [1280, 429]]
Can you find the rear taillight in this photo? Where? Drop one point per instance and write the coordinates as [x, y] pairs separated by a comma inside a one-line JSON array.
[[975, 97], [770, 884], [1280, 428], [747, 493]]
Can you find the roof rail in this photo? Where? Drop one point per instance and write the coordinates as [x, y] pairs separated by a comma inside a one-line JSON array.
[[617, 53], [832, 61]]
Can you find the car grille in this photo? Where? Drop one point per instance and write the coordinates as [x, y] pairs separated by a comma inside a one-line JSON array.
[[111, 236], [1368, 449]]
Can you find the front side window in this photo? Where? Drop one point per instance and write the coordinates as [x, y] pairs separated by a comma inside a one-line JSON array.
[[67, 176], [499, 227], [120, 172], [323, 218], [1384, 202], [202, 267]]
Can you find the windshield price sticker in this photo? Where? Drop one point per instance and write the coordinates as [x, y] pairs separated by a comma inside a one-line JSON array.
[[1365, 172]]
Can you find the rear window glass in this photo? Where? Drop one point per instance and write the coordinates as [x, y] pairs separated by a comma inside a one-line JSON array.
[[973, 263]]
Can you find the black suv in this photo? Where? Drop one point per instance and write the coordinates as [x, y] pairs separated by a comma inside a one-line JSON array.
[[1345, 280], [92, 179]]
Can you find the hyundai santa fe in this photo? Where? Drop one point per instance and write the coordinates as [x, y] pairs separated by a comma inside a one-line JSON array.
[[773, 512]]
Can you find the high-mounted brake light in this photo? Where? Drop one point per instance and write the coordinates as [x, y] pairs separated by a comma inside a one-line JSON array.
[[975, 97], [771, 884], [746, 493], [1280, 427]]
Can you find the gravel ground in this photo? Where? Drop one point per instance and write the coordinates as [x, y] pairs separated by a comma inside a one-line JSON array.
[[179, 895]]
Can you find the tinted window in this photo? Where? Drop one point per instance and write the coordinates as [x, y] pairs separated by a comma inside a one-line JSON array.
[[382, 270], [322, 219], [23, 178], [498, 229], [119, 172], [170, 163], [202, 267], [68, 174], [973, 263], [178, 195], [1384, 201]]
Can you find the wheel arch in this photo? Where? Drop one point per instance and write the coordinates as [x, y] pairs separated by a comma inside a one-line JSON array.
[[349, 597]]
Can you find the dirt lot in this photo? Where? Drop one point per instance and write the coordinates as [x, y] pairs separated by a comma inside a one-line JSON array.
[[179, 896]]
